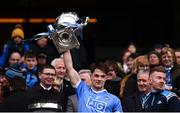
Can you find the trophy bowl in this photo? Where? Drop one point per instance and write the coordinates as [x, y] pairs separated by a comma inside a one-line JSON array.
[[65, 39]]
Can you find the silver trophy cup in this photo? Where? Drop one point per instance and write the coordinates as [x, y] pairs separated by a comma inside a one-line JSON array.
[[65, 30]]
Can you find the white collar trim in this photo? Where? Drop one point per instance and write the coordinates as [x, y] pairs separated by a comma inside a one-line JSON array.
[[104, 90], [49, 88]]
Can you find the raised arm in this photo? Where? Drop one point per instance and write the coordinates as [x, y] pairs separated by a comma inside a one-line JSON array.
[[71, 72]]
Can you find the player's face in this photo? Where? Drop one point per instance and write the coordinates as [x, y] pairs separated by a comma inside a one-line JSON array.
[[98, 79]]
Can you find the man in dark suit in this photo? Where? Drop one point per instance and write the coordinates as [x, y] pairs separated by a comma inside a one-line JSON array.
[[62, 83], [44, 97], [139, 101]]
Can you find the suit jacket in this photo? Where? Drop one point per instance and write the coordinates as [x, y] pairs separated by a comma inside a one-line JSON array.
[[72, 104], [66, 91], [133, 103], [39, 95]]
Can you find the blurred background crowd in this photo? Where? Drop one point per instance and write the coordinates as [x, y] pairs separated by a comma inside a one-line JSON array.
[[127, 35]]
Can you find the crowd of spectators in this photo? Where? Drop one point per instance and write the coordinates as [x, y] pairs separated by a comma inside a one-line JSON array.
[[35, 77]]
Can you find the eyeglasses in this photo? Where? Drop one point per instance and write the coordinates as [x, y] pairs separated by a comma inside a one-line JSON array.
[[49, 74]]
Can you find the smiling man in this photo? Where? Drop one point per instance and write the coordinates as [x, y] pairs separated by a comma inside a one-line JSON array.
[[44, 97], [94, 98], [140, 100]]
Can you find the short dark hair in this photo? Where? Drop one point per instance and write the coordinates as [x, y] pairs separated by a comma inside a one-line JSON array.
[[159, 68], [100, 65], [45, 67], [156, 53], [30, 54], [113, 64]]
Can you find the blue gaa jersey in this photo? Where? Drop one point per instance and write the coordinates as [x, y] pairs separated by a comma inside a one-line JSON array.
[[93, 101]]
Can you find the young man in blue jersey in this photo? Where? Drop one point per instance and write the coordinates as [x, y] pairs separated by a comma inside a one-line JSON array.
[[94, 98]]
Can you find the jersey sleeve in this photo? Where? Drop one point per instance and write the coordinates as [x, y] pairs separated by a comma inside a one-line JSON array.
[[117, 106], [81, 87]]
